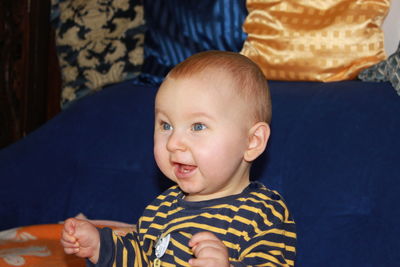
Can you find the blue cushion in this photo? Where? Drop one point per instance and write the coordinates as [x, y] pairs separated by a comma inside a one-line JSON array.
[[177, 29], [333, 155], [95, 157]]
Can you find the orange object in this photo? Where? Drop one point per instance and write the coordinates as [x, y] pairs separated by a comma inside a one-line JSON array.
[[39, 245], [328, 40]]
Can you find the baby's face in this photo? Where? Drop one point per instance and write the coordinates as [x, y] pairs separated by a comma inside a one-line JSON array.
[[201, 135]]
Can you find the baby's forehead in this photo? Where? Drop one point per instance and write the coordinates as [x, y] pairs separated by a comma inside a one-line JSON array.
[[222, 97], [209, 82], [216, 85], [214, 77]]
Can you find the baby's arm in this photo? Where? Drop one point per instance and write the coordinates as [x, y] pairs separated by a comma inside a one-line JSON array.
[[275, 244], [208, 250], [263, 249], [81, 238]]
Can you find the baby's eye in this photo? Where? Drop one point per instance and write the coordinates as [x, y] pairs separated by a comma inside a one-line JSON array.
[[166, 126], [198, 127]]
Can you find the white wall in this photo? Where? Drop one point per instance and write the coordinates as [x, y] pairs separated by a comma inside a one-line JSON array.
[[391, 27]]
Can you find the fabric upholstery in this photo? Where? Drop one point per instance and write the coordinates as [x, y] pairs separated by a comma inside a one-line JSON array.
[[98, 43], [328, 40], [387, 70], [176, 29], [333, 156]]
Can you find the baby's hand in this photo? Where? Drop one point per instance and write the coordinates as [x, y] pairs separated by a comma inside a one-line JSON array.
[[81, 238], [208, 250]]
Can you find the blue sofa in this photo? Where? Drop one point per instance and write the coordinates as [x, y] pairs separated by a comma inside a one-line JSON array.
[[333, 154]]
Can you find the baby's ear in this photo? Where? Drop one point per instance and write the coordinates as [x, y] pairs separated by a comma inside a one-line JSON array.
[[258, 138]]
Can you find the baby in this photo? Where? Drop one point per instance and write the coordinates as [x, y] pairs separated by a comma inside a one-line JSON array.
[[212, 115]]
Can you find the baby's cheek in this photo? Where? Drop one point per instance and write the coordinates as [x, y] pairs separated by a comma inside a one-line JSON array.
[[159, 155], [213, 160], [223, 159]]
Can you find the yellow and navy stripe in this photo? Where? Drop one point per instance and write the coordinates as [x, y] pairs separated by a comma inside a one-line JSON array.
[[255, 226]]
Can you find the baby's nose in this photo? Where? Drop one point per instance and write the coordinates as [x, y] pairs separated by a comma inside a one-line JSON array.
[[176, 141]]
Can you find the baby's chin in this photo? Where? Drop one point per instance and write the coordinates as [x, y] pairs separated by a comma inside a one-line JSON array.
[[200, 195], [191, 192]]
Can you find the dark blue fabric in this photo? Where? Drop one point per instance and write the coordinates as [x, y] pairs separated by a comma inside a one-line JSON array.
[[333, 155], [177, 29], [92, 158]]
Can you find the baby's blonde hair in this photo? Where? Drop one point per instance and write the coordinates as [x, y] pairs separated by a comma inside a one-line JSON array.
[[250, 82]]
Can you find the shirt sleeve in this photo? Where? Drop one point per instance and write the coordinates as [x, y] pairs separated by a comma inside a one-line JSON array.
[[271, 240], [119, 250], [274, 247]]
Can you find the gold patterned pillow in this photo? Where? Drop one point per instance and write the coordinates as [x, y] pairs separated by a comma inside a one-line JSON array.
[[99, 42], [329, 40]]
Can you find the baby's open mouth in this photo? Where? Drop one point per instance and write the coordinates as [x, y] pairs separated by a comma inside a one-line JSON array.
[[183, 169], [186, 168]]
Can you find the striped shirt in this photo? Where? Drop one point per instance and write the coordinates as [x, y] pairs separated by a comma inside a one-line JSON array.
[[254, 225]]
